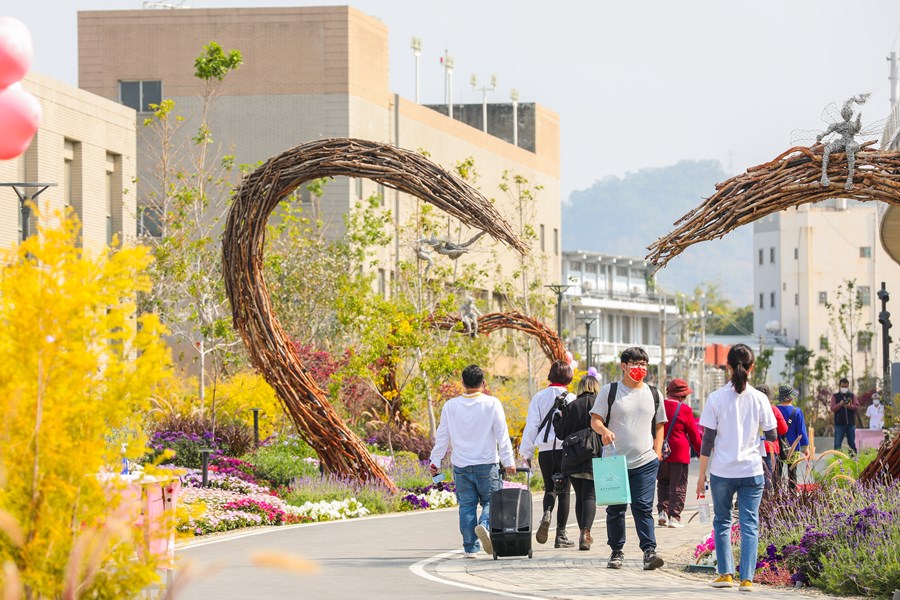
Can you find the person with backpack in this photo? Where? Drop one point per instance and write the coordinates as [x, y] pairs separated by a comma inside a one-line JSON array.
[[729, 451], [629, 413], [795, 439], [682, 434], [771, 450], [580, 445], [539, 434]]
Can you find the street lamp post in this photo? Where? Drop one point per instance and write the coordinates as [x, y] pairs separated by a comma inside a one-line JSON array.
[[416, 45], [484, 91], [559, 289], [588, 321], [21, 190], [884, 317]]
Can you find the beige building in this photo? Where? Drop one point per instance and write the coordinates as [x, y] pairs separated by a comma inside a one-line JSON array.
[[310, 73], [802, 256], [86, 146]]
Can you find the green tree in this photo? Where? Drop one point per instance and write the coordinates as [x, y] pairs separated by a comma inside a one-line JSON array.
[[190, 191], [761, 366], [845, 319], [77, 371], [797, 370]]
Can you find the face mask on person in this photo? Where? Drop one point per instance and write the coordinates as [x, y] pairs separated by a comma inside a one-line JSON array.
[[876, 402], [637, 373], [844, 390]]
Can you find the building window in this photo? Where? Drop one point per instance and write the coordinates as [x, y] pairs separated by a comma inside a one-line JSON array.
[[864, 341], [772, 300], [796, 253], [865, 251], [760, 256], [542, 237], [784, 286], [762, 303], [590, 267], [645, 330], [621, 272], [823, 297], [139, 95], [626, 330], [556, 241], [575, 265], [109, 207], [864, 295], [149, 221], [114, 186], [796, 299], [772, 255]]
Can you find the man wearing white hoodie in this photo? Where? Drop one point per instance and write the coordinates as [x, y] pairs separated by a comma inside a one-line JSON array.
[[475, 425], [539, 434]]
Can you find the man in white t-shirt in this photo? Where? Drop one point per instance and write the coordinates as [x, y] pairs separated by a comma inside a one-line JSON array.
[[635, 422], [475, 425], [875, 412]]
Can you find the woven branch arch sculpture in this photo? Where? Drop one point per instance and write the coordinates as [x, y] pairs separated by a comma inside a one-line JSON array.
[[270, 349], [548, 339], [791, 179]]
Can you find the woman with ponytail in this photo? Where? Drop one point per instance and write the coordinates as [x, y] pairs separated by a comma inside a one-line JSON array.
[[732, 419]]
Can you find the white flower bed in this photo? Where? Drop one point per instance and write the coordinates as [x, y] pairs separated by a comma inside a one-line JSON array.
[[333, 511]]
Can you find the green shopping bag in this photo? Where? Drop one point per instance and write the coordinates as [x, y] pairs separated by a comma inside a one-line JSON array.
[[611, 480]]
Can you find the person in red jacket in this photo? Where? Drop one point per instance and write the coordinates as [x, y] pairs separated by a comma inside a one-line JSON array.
[[771, 448], [671, 481]]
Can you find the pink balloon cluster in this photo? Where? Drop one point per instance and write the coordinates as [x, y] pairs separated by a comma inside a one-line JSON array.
[[20, 112]]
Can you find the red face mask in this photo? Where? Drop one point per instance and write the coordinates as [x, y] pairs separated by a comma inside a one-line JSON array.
[[638, 373]]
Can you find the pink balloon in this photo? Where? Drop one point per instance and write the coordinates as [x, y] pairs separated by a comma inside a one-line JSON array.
[[20, 114], [16, 50]]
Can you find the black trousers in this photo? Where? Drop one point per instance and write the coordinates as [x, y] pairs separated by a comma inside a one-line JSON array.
[[585, 502], [550, 462]]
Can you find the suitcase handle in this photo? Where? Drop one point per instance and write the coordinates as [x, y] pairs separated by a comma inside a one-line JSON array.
[[518, 470]]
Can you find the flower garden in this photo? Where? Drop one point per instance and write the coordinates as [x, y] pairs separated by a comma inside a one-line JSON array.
[[838, 535]]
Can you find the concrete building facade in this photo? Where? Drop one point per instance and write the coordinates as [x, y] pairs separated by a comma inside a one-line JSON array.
[[310, 73], [801, 257], [86, 146]]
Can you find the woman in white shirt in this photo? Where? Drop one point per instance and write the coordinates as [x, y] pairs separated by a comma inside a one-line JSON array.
[[732, 419]]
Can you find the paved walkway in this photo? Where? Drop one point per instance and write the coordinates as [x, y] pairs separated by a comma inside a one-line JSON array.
[[573, 574]]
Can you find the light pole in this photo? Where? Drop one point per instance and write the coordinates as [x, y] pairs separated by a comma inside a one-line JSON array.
[[514, 96], [21, 190], [588, 321], [484, 91], [884, 317], [416, 45], [447, 61], [559, 289]]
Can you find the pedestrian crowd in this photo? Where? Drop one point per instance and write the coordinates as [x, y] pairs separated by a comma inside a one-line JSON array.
[[625, 443]]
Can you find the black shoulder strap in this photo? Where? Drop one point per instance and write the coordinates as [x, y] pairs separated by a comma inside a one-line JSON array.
[[613, 388], [549, 417], [655, 393]]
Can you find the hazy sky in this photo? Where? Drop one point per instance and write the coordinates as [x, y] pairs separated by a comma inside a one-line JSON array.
[[636, 84]]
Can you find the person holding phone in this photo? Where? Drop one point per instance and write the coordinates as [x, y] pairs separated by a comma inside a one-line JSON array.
[[475, 425], [844, 405]]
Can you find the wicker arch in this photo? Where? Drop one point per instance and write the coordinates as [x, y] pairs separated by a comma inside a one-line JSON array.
[[548, 339], [791, 179], [243, 242]]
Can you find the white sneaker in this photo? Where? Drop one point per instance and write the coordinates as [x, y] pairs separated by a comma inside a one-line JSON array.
[[470, 555], [675, 522], [485, 538], [663, 519]]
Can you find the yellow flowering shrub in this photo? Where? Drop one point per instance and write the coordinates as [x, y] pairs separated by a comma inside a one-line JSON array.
[[77, 369]]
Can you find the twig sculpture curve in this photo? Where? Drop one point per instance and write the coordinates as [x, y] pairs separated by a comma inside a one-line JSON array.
[[270, 349]]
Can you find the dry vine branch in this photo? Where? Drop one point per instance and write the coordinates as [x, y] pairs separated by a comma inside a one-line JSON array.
[[790, 180], [487, 324], [339, 449]]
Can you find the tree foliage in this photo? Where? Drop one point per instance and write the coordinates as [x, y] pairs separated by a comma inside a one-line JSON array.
[[77, 369]]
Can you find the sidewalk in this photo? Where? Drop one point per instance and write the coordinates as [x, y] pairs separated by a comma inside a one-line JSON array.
[[573, 574]]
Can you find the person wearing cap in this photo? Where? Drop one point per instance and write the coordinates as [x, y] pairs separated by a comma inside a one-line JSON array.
[[875, 412], [683, 434], [770, 449], [796, 439]]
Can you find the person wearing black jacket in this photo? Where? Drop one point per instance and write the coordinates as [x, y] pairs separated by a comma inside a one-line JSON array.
[[574, 417]]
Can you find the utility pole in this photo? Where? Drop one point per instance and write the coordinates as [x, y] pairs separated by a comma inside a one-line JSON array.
[[514, 96], [894, 78], [662, 342], [447, 61], [702, 345], [416, 45]]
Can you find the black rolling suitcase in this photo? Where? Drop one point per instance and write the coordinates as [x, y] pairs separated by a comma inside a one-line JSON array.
[[510, 521]]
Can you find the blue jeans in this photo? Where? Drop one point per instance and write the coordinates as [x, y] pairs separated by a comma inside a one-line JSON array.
[[749, 492], [642, 482], [474, 485], [840, 431]]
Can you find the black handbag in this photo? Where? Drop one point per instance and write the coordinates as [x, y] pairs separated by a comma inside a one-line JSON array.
[[579, 447]]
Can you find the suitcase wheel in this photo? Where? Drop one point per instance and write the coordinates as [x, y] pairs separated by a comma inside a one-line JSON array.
[[529, 553], [495, 556]]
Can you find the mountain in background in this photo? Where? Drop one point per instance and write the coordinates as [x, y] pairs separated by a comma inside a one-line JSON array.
[[624, 215]]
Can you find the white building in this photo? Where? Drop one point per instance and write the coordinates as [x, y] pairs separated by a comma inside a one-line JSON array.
[[620, 291], [801, 257]]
